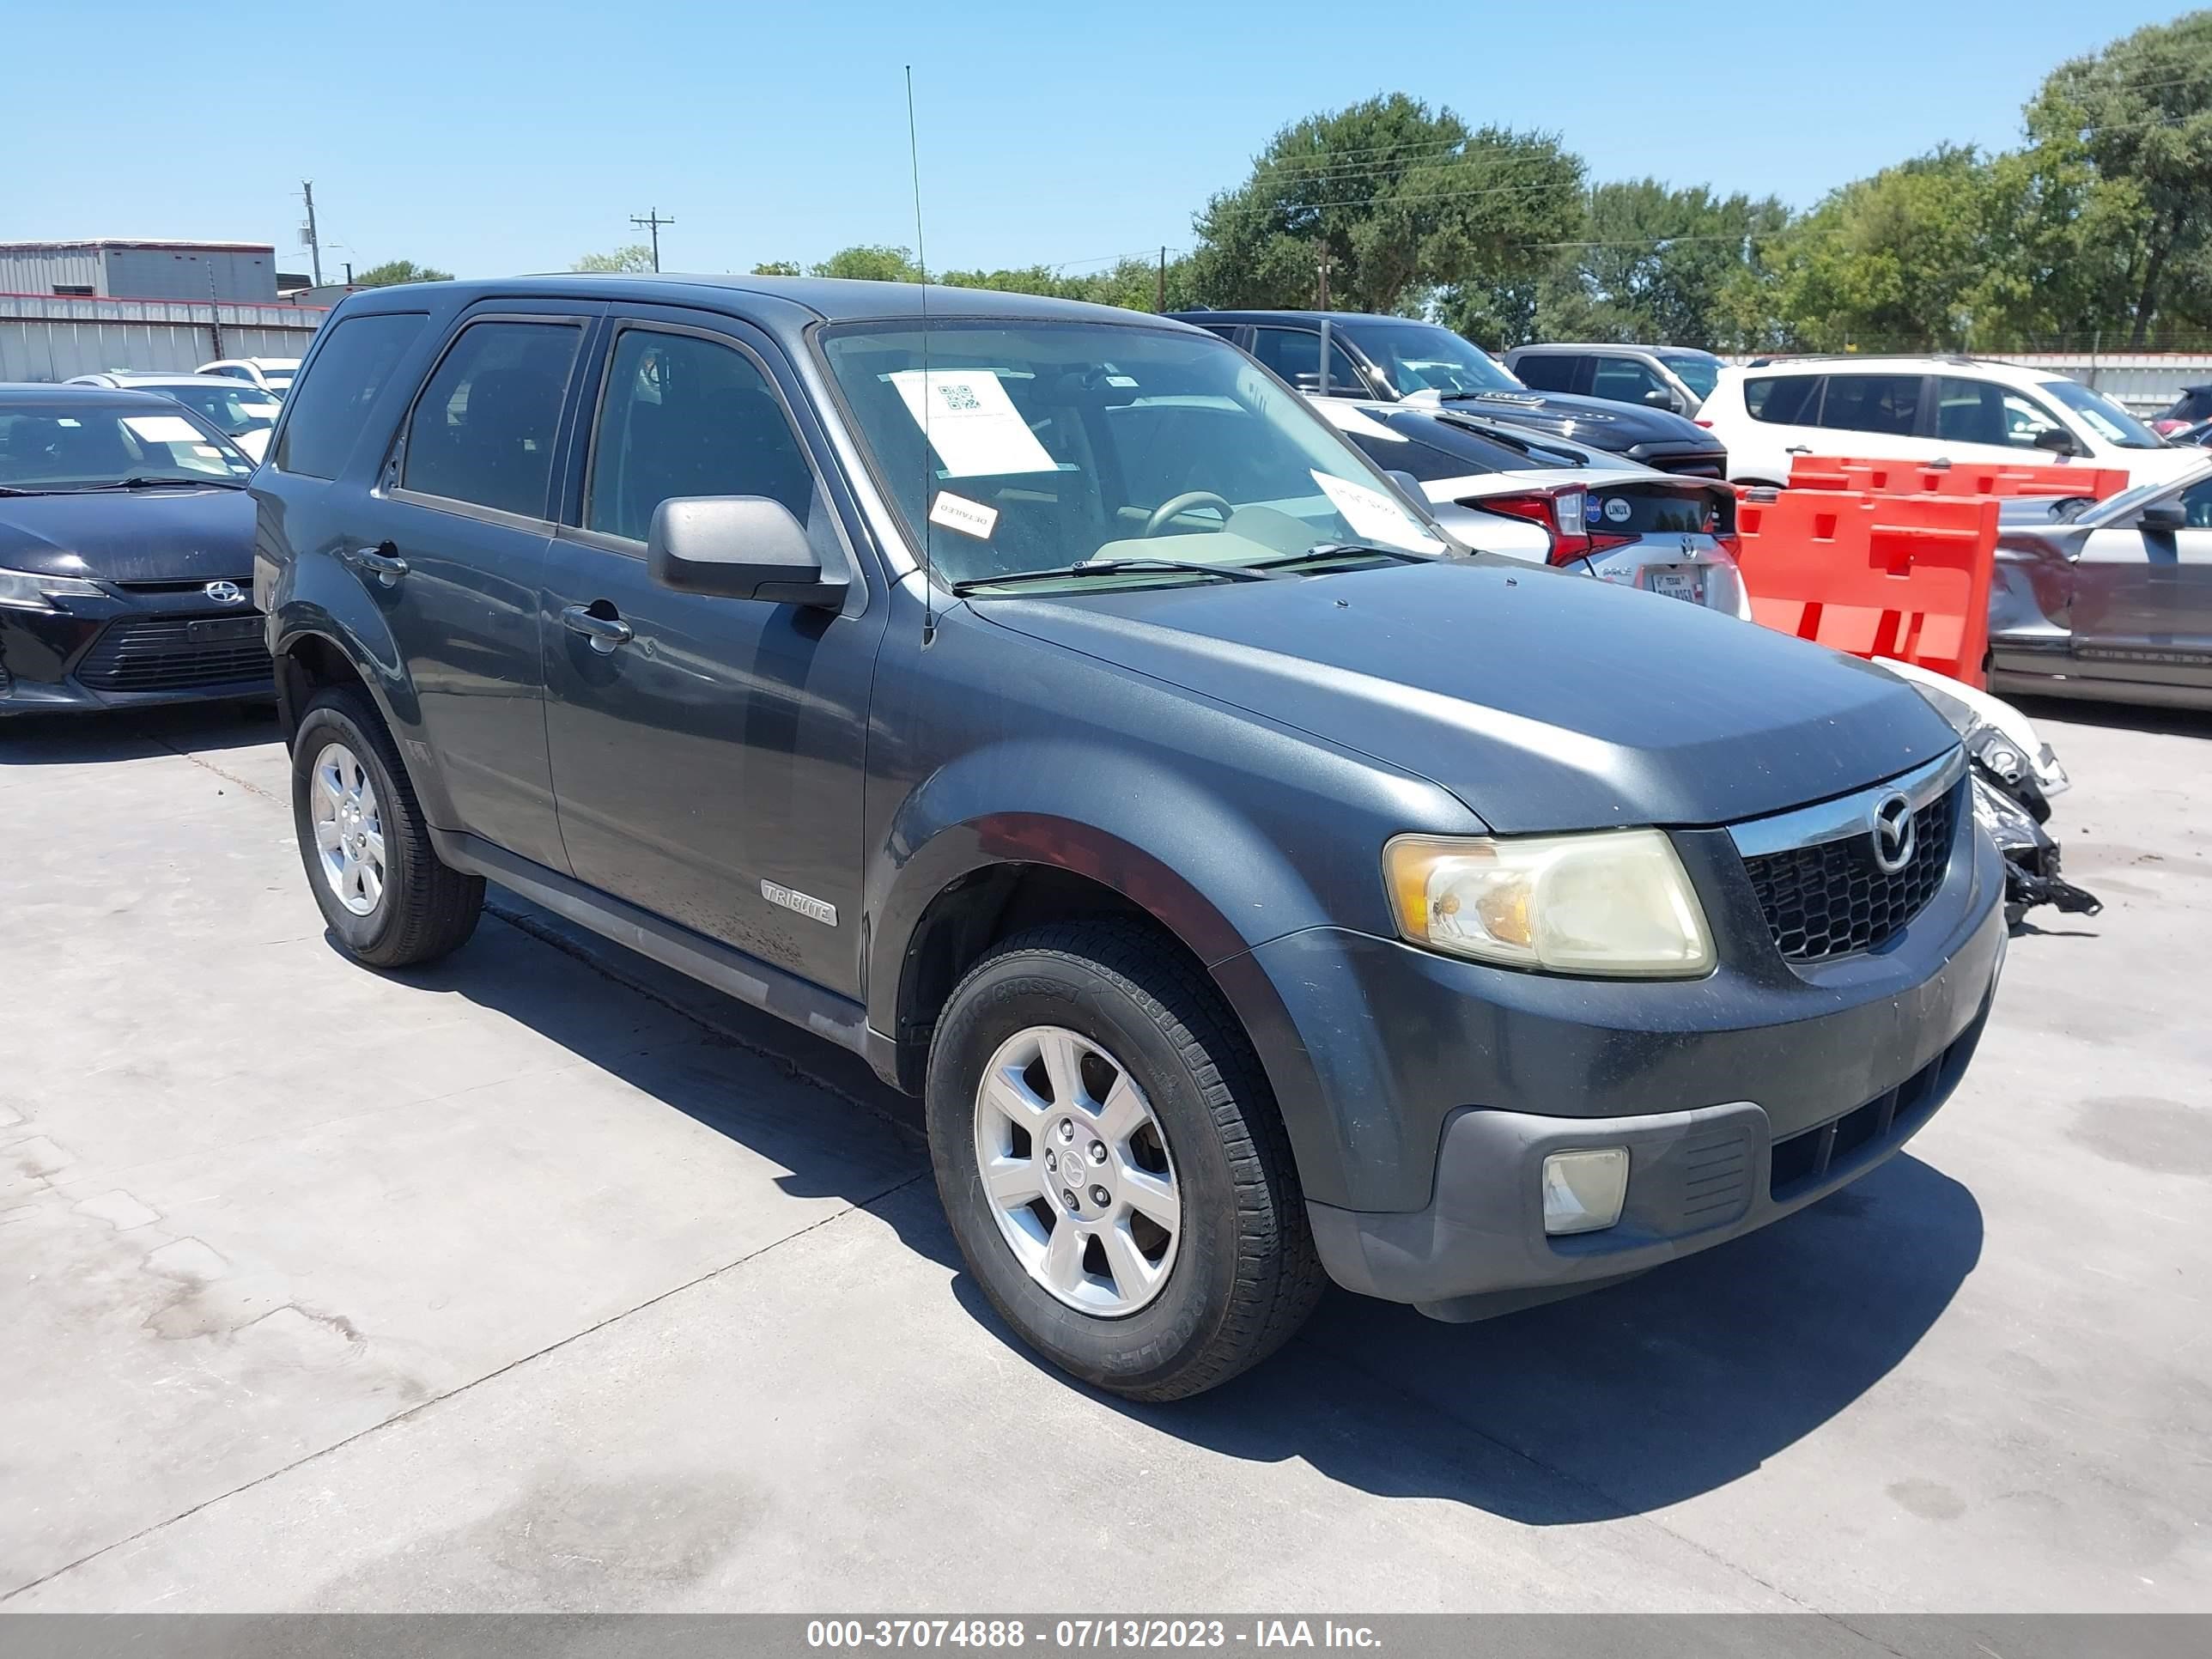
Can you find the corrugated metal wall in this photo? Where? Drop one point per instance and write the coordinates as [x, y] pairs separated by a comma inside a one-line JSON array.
[[51, 339], [38, 271], [153, 273]]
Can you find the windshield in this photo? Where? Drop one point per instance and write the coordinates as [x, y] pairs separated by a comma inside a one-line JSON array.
[[2103, 417], [2124, 507], [1426, 357], [235, 409], [61, 447], [1051, 444], [1696, 371]]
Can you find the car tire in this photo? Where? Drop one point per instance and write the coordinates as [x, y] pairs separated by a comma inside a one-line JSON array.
[[389, 900], [1237, 1275]]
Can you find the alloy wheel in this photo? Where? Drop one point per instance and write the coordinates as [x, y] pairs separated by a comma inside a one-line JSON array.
[[348, 829]]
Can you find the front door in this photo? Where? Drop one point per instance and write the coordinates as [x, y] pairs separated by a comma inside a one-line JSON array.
[[708, 753], [2142, 599], [455, 538]]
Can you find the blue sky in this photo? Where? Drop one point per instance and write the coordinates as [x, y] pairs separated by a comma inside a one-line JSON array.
[[491, 139]]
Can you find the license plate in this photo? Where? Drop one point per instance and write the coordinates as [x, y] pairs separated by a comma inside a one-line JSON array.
[[219, 629], [1679, 582]]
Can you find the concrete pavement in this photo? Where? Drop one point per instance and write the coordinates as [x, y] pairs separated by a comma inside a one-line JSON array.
[[546, 1279]]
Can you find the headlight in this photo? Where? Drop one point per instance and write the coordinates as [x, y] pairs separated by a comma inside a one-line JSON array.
[[1616, 902], [31, 592]]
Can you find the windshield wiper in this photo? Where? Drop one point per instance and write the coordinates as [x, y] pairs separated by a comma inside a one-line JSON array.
[[1343, 551], [1236, 572], [15, 489], [146, 481]]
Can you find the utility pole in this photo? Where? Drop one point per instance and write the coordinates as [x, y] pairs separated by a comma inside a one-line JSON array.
[[1160, 300], [652, 222], [314, 242], [1321, 304]]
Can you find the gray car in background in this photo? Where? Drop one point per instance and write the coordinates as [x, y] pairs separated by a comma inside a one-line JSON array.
[[2111, 599], [1677, 379]]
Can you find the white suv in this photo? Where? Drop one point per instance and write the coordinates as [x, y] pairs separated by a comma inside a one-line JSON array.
[[272, 374], [1964, 410]]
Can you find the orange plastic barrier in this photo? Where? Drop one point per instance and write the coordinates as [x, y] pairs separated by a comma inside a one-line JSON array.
[[1919, 478], [1875, 575]]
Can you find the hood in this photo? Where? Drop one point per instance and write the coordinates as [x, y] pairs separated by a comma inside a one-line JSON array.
[[1543, 701], [131, 535], [1597, 420]]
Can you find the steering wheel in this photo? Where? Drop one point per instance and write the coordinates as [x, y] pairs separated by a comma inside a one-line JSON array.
[[1167, 510]]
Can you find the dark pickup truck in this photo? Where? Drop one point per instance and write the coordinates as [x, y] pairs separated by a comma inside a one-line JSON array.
[[1044, 702]]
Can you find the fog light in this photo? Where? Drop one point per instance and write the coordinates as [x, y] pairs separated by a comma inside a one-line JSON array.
[[1584, 1191]]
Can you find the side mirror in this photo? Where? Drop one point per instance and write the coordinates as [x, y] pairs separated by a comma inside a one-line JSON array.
[[1660, 397], [1411, 485], [2163, 518], [737, 547], [2058, 441]]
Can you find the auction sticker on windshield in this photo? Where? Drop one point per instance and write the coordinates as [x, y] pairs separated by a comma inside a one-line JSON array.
[[163, 429], [1374, 515], [972, 425], [959, 513]]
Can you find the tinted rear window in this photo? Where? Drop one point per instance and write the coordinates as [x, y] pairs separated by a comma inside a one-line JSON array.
[[327, 410], [1784, 399], [1888, 404], [484, 430], [1547, 371]]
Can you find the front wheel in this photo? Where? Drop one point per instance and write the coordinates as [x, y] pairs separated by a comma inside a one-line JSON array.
[[1112, 1163], [389, 900]]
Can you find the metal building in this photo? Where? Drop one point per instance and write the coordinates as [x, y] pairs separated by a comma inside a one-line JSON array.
[[122, 268]]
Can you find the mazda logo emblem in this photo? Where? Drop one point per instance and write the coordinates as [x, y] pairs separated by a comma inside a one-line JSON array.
[[225, 592], [1894, 834]]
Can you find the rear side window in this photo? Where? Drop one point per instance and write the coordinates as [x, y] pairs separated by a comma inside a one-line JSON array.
[[1547, 371], [687, 416], [1293, 352], [483, 432], [1888, 404], [1782, 399], [331, 403]]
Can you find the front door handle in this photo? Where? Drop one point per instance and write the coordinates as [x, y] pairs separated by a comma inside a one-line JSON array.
[[1798, 449], [382, 561], [604, 631]]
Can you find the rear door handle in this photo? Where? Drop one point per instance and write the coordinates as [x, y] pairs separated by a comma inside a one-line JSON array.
[[605, 633], [1798, 449], [388, 566]]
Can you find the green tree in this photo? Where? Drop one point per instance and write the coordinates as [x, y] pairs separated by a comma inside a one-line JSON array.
[[777, 268], [2139, 113], [636, 256], [1409, 207], [400, 271], [1655, 264], [872, 263]]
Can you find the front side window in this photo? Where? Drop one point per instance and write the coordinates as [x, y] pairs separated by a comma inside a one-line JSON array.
[[1782, 399], [58, 448], [683, 415], [1050, 444], [482, 430], [1626, 380], [1884, 404], [354, 365], [1428, 357], [2102, 415], [1294, 354]]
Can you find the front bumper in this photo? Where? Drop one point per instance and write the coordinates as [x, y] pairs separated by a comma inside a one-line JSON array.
[[130, 650], [1696, 1178]]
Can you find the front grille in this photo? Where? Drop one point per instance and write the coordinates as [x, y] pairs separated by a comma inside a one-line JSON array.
[[159, 653], [1831, 899]]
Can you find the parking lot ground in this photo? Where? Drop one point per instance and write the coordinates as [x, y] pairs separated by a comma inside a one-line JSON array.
[[543, 1278]]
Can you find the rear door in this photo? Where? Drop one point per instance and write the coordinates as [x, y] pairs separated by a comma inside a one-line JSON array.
[[715, 755], [451, 545], [1550, 371], [1875, 415], [2142, 599]]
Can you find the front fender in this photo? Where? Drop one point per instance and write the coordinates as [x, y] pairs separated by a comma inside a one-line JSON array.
[[315, 597]]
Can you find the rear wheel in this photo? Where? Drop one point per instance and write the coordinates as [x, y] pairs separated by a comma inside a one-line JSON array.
[[1113, 1166], [389, 900]]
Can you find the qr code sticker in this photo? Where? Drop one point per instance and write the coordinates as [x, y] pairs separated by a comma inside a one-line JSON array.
[[959, 396]]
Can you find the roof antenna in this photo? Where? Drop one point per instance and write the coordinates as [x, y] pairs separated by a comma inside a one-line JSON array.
[[922, 264]]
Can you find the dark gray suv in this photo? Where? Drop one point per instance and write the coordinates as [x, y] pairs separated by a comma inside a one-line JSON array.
[[1044, 702]]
